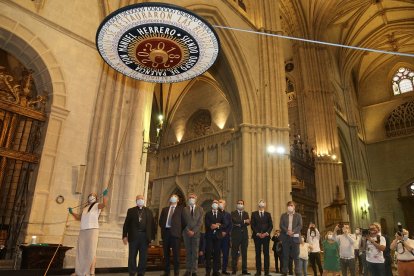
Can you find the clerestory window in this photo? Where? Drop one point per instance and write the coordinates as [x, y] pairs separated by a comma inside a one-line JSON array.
[[403, 81]]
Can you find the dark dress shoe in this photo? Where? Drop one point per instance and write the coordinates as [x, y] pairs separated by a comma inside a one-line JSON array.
[[246, 273], [165, 274], [194, 274], [225, 273]]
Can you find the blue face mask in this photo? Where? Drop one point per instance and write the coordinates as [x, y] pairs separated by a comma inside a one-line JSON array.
[[214, 206], [140, 202], [192, 201], [173, 199]]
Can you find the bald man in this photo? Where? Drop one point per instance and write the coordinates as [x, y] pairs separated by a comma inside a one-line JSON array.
[[138, 232]]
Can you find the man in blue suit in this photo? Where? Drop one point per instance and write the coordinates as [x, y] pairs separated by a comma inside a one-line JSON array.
[[214, 223], [225, 241], [290, 228]]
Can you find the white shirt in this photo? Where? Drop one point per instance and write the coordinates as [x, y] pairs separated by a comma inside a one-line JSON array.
[[346, 246], [357, 239], [290, 221], [373, 254], [304, 251], [314, 241], [405, 255], [170, 213], [89, 220]]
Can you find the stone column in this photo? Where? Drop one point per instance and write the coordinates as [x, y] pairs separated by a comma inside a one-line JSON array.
[[267, 176], [320, 121], [122, 117]]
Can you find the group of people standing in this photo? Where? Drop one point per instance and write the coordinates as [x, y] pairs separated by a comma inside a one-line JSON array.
[[342, 250], [225, 234]]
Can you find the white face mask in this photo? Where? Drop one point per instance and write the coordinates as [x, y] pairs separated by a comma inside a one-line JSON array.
[[192, 201], [240, 207], [262, 204], [357, 232], [405, 237], [221, 206], [173, 199], [330, 237], [140, 202], [214, 206], [91, 199], [290, 209], [312, 234]]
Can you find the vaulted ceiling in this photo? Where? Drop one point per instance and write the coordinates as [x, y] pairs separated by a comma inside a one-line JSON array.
[[377, 24]]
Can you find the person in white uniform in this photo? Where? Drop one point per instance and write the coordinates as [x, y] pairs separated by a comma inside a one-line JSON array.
[[88, 234]]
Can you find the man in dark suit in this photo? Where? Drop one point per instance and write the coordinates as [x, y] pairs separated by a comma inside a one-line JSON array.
[[138, 231], [290, 228], [214, 223], [262, 226], [193, 221], [239, 237], [171, 231], [225, 241]]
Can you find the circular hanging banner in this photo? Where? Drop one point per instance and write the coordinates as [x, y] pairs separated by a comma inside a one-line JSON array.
[[157, 42]]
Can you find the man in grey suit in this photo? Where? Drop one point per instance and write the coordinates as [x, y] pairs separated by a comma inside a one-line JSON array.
[[290, 228], [192, 220]]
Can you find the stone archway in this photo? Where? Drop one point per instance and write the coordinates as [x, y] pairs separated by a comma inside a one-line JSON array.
[[34, 55]]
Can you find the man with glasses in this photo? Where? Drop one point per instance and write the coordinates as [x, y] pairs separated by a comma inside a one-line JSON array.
[[375, 246]]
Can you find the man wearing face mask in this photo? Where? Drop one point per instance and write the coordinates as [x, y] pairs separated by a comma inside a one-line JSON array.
[[88, 235], [262, 226], [170, 223], [239, 237], [226, 232], [313, 238], [193, 220], [346, 249], [404, 247], [357, 237], [214, 223], [290, 228], [138, 232]]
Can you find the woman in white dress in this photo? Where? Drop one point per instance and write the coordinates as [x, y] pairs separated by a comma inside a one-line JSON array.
[[88, 234]]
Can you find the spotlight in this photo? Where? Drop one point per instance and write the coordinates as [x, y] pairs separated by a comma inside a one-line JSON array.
[[271, 149]]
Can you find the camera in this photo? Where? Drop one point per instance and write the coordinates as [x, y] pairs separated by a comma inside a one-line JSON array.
[[364, 232], [400, 229], [340, 231]]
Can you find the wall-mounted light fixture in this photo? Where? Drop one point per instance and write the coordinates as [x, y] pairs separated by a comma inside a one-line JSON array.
[[364, 210], [279, 150]]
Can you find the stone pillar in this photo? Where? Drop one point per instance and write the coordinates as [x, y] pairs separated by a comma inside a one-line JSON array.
[[267, 176], [122, 117], [320, 121], [358, 196]]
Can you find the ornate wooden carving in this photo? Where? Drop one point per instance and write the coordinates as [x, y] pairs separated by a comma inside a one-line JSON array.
[[22, 116]]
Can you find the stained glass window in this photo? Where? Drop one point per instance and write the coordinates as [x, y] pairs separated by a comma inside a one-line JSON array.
[[403, 81]]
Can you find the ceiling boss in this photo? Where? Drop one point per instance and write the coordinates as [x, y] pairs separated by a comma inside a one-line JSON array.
[[157, 42]]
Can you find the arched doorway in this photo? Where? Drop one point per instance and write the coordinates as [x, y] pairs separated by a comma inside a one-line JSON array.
[[22, 131]]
